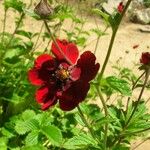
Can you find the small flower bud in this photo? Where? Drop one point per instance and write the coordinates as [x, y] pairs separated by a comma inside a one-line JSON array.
[[145, 58], [120, 7], [43, 9], [145, 61]]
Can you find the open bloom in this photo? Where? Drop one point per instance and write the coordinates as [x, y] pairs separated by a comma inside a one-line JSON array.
[[120, 7], [145, 58], [62, 80]]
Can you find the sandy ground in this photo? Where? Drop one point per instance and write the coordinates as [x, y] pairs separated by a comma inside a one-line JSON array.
[[127, 37]]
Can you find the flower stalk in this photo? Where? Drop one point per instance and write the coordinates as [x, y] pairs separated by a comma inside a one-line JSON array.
[[106, 114], [53, 38], [112, 40], [140, 96], [85, 122]]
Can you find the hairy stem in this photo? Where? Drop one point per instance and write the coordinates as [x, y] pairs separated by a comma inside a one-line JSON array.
[[134, 110], [85, 122], [140, 96], [17, 27], [112, 41], [98, 40], [133, 87], [56, 44], [37, 40], [106, 114]]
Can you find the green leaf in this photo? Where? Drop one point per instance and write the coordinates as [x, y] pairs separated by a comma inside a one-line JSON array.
[[15, 4], [32, 138], [119, 85], [34, 147], [80, 141], [31, 13], [7, 132], [104, 15], [12, 53], [3, 143], [53, 134], [24, 33], [28, 114], [26, 126], [98, 32]]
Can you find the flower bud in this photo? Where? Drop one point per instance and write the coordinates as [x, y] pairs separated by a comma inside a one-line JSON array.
[[43, 9], [145, 58]]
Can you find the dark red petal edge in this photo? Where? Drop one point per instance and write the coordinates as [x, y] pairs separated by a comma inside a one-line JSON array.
[[75, 94], [87, 65], [33, 77]]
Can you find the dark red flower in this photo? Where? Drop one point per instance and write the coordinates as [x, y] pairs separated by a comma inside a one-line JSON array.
[[145, 58], [120, 7], [62, 80]]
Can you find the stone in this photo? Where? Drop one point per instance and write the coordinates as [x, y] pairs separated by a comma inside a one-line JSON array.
[[141, 16]]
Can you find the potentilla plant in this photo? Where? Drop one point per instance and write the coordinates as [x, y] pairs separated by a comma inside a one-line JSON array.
[[58, 111]]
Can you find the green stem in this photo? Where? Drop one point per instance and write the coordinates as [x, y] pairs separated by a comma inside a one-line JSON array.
[[98, 39], [18, 25], [133, 87], [85, 122], [56, 44], [112, 41], [35, 45], [134, 110], [139, 98], [106, 114]]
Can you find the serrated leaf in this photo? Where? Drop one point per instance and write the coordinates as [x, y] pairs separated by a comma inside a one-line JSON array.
[[98, 32], [15, 4], [31, 13], [28, 114], [53, 134], [24, 33], [80, 141], [26, 126], [6, 132], [3, 143], [32, 138], [12, 53], [119, 85], [104, 15], [34, 147]]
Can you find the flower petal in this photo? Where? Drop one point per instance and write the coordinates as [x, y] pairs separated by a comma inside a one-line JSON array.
[[33, 76], [70, 50], [42, 59], [46, 96], [74, 95], [87, 65], [75, 73], [45, 66], [48, 104]]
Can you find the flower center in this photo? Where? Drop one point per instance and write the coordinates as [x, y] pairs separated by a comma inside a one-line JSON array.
[[62, 74]]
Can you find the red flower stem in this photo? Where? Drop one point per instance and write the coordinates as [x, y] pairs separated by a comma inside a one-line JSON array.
[[112, 40], [53, 38], [106, 114]]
